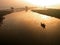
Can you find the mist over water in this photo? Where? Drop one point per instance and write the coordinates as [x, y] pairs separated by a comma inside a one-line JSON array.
[[25, 27]]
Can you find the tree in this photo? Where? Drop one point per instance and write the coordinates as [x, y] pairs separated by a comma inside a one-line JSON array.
[[12, 9]]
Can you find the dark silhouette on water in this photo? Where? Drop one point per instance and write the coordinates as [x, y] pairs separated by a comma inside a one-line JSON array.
[[43, 25]]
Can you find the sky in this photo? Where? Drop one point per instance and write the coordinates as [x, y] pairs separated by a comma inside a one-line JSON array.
[[11, 3], [46, 3], [20, 3]]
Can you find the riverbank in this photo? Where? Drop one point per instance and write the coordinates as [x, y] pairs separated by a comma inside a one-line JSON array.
[[49, 12]]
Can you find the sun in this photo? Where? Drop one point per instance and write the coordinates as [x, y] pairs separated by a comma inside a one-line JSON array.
[[43, 2]]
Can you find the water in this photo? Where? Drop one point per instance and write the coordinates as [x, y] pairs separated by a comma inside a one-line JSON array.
[[25, 27]]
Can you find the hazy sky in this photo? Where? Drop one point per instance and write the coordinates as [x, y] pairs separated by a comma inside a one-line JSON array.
[[19, 3], [47, 3], [9, 3]]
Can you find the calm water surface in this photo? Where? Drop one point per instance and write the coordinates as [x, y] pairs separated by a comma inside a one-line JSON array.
[[26, 27]]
